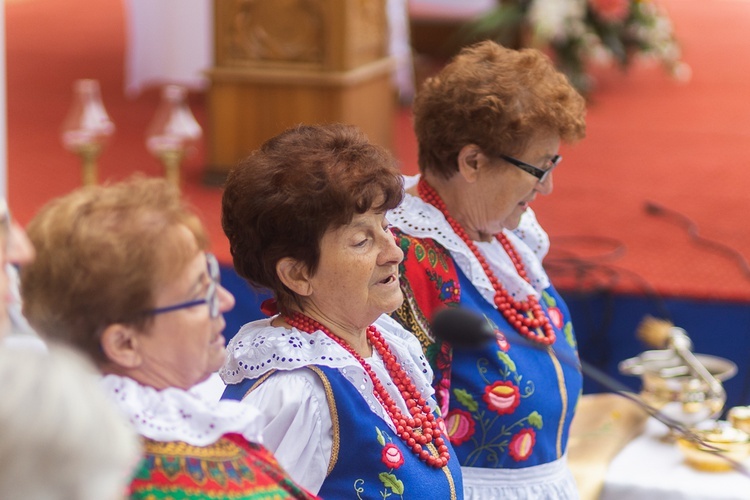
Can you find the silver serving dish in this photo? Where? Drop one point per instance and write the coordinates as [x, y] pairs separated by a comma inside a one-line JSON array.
[[670, 386]]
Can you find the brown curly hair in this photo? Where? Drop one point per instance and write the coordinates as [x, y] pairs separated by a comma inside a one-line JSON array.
[[100, 253], [496, 98], [281, 200]]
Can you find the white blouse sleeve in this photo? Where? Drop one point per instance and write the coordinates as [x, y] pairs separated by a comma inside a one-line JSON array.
[[298, 428]]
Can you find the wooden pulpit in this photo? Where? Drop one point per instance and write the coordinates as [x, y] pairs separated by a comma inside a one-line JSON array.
[[279, 63]]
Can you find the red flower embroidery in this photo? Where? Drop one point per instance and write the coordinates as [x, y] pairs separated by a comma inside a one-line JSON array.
[[392, 457], [442, 395], [460, 426], [502, 397], [444, 357], [555, 316], [522, 444]]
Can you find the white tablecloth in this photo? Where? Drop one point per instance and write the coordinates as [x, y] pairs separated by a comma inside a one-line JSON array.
[[648, 468]]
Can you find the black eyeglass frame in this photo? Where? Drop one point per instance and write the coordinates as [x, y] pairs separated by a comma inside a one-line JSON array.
[[537, 172], [211, 298]]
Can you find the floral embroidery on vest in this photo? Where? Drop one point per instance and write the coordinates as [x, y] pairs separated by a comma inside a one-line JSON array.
[[392, 459], [435, 286], [501, 397]]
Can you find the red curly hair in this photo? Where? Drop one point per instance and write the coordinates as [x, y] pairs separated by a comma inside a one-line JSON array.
[[496, 98]]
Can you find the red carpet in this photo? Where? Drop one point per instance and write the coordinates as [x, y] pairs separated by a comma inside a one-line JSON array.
[[682, 146]]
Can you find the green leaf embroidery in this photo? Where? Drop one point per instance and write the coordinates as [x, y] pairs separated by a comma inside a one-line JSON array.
[[535, 419], [419, 252], [392, 482], [432, 257], [465, 399], [549, 299], [568, 329], [506, 359], [381, 439]]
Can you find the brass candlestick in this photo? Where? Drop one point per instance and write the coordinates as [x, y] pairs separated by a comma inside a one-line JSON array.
[[173, 132], [87, 127]]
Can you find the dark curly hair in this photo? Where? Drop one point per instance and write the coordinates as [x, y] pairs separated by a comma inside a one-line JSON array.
[[280, 201]]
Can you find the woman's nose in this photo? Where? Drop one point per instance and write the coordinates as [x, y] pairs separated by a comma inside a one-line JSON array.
[[226, 299], [391, 253], [546, 186], [20, 250]]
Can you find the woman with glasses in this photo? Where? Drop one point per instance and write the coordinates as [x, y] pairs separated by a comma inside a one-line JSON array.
[[489, 128], [122, 273], [346, 390]]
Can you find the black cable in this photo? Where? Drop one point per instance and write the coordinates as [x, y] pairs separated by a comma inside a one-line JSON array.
[[691, 228], [595, 272]]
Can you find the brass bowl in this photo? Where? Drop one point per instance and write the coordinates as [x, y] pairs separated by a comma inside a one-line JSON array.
[[669, 386], [739, 417], [723, 440]]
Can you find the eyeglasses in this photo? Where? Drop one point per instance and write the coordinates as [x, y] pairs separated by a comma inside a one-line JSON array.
[[539, 173], [211, 298]]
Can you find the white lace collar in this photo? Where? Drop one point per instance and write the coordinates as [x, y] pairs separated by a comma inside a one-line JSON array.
[[260, 347], [177, 415], [422, 220]]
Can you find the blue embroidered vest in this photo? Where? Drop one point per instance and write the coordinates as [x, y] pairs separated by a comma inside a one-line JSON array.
[[368, 460], [510, 403]]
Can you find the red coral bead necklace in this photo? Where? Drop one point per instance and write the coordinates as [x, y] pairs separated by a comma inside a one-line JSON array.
[[535, 326], [418, 429]]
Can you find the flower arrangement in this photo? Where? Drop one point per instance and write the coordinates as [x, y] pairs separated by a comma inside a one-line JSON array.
[[578, 31]]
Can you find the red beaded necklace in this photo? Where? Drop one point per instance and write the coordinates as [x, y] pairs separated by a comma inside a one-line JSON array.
[[536, 326], [417, 430]]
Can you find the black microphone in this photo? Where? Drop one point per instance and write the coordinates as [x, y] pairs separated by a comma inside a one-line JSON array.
[[461, 328], [466, 329]]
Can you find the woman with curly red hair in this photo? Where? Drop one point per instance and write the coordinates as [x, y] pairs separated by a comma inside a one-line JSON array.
[[489, 128]]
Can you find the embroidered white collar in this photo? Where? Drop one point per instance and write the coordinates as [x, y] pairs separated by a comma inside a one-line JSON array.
[[260, 347], [422, 220], [178, 415]]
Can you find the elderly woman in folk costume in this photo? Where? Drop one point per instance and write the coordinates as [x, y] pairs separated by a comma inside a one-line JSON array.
[[62, 425], [122, 273], [489, 127], [345, 389]]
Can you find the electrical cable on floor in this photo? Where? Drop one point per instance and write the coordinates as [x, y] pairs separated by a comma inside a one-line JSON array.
[[596, 272], [691, 228]]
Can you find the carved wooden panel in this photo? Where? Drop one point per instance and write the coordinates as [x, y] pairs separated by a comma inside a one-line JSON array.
[[252, 31], [316, 34], [367, 32]]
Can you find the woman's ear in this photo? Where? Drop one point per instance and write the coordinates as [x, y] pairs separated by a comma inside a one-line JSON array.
[[120, 345], [470, 159], [294, 275]]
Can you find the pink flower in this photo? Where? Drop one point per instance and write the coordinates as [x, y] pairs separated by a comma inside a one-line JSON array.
[[555, 316], [522, 444], [392, 457], [443, 396], [502, 342], [613, 11], [460, 426], [502, 397]]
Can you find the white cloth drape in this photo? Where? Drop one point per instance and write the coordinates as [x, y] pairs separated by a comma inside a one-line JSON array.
[[168, 41]]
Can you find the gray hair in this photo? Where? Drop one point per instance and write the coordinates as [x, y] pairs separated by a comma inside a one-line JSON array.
[[61, 437]]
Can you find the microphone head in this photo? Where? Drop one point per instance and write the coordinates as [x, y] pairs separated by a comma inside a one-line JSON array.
[[461, 328]]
